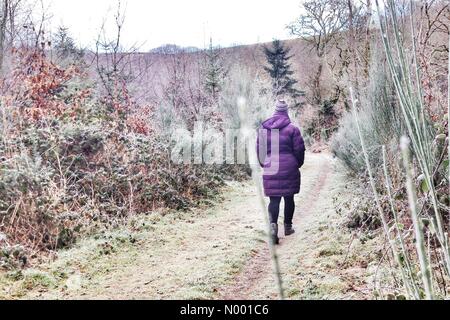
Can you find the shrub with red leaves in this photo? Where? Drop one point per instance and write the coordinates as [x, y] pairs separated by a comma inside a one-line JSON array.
[[35, 86]]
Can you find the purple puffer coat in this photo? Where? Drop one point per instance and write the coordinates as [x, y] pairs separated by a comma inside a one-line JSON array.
[[281, 174]]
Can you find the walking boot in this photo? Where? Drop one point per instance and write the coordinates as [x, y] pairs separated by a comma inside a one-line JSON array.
[[288, 230], [274, 233]]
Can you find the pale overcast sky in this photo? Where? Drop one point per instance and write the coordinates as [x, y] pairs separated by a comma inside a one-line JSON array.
[[151, 23]]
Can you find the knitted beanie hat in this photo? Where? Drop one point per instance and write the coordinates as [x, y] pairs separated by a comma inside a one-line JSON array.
[[282, 106]]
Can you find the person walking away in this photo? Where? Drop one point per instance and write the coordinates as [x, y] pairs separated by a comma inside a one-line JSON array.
[[281, 164]]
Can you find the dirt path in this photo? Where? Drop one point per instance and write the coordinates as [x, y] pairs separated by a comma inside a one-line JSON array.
[[215, 253], [259, 267]]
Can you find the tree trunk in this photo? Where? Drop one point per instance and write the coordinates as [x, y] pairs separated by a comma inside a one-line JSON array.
[[352, 45], [317, 94], [367, 48], [3, 21]]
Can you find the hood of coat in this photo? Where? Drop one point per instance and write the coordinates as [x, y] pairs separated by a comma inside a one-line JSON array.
[[278, 121]]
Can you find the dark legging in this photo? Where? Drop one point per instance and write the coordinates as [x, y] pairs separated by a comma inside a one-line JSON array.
[[274, 209]]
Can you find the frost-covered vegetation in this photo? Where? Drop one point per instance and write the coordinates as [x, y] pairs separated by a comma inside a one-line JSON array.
[[406, 100], [81, 150], [86, 135]]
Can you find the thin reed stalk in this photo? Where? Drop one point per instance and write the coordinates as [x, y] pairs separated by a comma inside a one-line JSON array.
[[412, 106], [410, 288], [368, 166], [418, 226], [405, 264]]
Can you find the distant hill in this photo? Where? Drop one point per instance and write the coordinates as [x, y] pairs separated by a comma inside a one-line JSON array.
[[173, 49], [161, 63]]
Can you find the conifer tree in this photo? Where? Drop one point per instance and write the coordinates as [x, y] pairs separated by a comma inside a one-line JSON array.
[[280, 71], [65, 45], [215, 71]]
